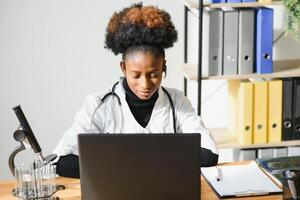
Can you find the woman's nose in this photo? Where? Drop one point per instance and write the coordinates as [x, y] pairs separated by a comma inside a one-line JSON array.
[[145, 83]]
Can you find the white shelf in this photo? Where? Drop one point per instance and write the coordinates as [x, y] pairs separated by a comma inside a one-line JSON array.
[[282, 69], [226, 140]]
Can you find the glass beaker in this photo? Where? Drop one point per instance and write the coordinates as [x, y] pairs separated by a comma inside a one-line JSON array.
[[38, 181]]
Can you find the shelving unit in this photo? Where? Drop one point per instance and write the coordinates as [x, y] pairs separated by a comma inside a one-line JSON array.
[[282, 69]]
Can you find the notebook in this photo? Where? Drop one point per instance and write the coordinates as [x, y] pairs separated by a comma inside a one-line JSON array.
[[240, 180]]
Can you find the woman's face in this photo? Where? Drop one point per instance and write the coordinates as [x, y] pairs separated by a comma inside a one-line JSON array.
[[143, 73]]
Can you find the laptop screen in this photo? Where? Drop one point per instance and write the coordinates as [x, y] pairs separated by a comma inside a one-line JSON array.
[[140, 166]]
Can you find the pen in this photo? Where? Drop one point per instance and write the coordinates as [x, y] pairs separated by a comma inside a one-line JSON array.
[[218, 174]]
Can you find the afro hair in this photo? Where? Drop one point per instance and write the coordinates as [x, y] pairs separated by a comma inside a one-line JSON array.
[[140, 25]]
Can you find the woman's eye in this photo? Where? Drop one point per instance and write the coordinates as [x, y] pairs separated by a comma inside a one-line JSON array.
[[135, 76], [154, 74]]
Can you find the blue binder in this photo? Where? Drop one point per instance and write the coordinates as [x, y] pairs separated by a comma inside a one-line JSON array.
[[218, 1], [234, 1], [264, 40]]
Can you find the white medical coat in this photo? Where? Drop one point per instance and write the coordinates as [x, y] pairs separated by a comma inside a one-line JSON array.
[[110, 117]]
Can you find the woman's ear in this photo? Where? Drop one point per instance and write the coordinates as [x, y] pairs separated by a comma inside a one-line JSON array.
[[165, 68], [123, 66]]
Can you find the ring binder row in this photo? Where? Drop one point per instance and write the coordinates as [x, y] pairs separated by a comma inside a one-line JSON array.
[[264, 112], [240, 41]]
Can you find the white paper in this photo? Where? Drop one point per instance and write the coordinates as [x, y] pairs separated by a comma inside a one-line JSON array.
[[240, 180]]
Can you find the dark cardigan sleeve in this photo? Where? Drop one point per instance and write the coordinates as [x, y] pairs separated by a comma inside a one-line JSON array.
[[68, 166], [208, 158]]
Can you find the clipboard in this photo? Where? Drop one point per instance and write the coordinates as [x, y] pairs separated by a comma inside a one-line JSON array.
[[240, 181]]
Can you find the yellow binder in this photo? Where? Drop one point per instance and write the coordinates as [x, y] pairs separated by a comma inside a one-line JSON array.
[[241, 110], [275, 111], [260, 112], [233, 88], [264, 1], [245, 113]]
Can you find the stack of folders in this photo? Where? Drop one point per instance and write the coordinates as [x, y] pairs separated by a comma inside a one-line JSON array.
[[239, 41], [264, 112]]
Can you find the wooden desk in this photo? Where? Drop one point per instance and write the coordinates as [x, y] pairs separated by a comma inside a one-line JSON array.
[[72, 191]]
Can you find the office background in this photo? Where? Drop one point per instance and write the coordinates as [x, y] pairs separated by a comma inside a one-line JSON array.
[[52, 55]]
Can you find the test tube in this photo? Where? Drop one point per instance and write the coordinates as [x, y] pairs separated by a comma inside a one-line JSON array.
[[24, 188], [36, 182]]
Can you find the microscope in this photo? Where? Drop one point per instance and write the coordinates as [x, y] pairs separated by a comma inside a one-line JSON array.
[[25, 136]]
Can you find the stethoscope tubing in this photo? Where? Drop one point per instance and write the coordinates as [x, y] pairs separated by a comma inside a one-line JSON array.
[[113, 94]]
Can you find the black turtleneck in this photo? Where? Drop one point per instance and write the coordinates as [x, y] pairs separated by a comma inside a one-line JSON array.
[[141, 109]]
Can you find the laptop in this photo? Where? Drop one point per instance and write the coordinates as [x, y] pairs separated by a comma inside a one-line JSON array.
[[139, 166]]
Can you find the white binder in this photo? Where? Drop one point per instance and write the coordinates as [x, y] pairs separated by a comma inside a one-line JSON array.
[[246, 41], [231, 19], [216, 24]]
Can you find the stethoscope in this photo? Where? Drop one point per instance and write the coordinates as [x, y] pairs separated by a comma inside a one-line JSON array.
[[114, 94]]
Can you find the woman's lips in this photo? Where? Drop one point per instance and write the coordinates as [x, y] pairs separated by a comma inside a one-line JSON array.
[[145, 93]]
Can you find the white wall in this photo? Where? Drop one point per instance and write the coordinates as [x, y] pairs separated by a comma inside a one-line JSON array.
[[52, 55]]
